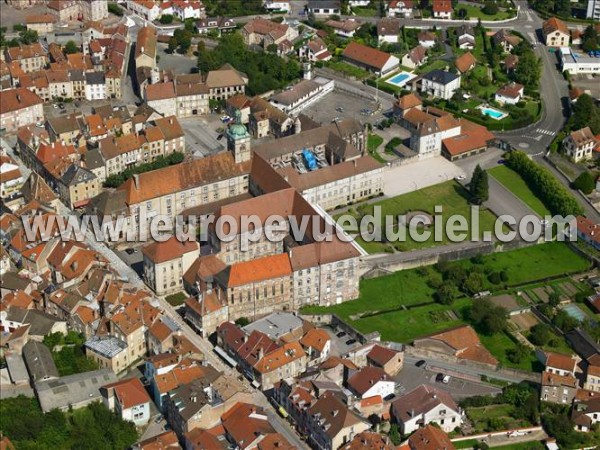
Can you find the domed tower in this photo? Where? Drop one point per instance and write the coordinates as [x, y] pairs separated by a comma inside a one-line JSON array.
[[238, 140]]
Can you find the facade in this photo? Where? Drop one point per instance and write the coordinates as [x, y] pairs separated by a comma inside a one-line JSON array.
[[556, 33], [42, 23], [370, 382], [166, 262], [441, 84], [559, 389], [95, 86], [20, 107], [592, 378], [30, 58], [401, 8], [579, 145]]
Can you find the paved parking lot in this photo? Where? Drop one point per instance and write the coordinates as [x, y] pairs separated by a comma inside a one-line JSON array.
[[134, 260], [411, 376], [179, 64], [324, 111], [201, 135], [338, 344]]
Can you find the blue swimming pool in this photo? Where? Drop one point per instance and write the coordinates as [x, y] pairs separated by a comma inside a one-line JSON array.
[[493, 112], [400, 79]]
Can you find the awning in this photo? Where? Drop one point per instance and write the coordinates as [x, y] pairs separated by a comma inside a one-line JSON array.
[[283, 412], [219, 351]]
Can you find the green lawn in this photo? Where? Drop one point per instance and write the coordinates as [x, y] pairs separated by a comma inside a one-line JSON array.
[[450, 195], [401, 305], [474, 12], [365, 12], [514, 183], [522, 446], [500, 343], [373, 143], [494, 418], [433, 65], [348, 69], [176, 299]]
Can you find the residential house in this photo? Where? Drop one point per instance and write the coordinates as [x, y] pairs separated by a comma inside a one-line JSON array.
[[510, 63], [401, 8], [30, 58], [440, 83], [506, 40], [442, 9], [11, 178], [41, 23], [264, 32], [579, 144], [317, 344], [20, 107], [465, 62], [166, 262], [585, 414], [147, 9], [556, 33], [129, 399], [344, 28], [66, 10], [39, 361], [369, 58], [559, 364], [465, 36], [556, 388], [186, 9], [145, 47], [388, 30], [206, 312], [76, 185], [95, 86], [592, 378], [386, 359], [510, 94], [331, 424], [324, 7], [430, 437], [369, 440], [215, 24], [165, 441], [424, 405], [314, 50], [588, 231], [370, 382], [415, 58], [427, 39]]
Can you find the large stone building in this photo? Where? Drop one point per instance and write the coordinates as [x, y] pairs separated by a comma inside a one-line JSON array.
[[263, 32], [20, 107]]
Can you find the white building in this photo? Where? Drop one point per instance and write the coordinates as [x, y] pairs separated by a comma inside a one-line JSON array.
[[401, 8], [579, 145], [424, 405], [301, 95], [370, 382], [510, 94], [183, 9], [95, 86], [578, 62], [440, 83], [129, 399], [593, 9], [276, 5], [145, 9], [324, 7]]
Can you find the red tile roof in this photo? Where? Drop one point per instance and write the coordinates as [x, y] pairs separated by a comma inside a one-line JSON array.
[[562, 362], [266, 268], [173, 248], [366, 55], [366, 378], [130, 392]]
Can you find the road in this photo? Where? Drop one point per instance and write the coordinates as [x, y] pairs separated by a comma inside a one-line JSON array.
[[504, 202]]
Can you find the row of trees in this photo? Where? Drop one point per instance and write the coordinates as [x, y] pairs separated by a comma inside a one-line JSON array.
[[118, 179], [265, 71], [544, 185], [93, 427], [585, 113]]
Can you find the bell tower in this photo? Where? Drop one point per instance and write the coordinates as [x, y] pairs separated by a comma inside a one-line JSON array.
[[238, 140]]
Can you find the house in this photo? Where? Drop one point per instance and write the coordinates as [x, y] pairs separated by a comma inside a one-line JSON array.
[[72, 391], [370, 59], [264, 32], [370, 382], [317, 345], [415, 58], [472, 140], [277, 5], [510, 63], [440, 83], [424, 405], [39, 361], [164, 441], [427, 39], [314, 50], [592, 378], [465, 62], [442, 9], [217, 24], [465, 36], [95, 86], [505, 40], [588, 231], [301, 95], [42, 23], [585, 414], [145, 47], [148, 10], [129, 399], [166, 262], [206, 312], [20, 107], [324, 7], [579, 144], [30, 58], [401, 8], [558, 388], [11, 178], [344, 28], [461, 342], [559, 364], [556, 33], [385, 358], [330, 423], [430, 438], [510, 94], [184, 9], [388, 30]]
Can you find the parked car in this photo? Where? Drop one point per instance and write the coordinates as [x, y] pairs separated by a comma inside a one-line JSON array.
[[341, 334], [389, 397], [220, 136], [446, 379], [130, 250], [351, 341], [439, 377], [460, 178], [420, 363], [225, 119], [501, 161], [61, 106], [339, 109]]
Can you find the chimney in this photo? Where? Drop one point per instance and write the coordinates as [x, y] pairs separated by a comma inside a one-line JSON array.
[[19, 98], [136, 181]]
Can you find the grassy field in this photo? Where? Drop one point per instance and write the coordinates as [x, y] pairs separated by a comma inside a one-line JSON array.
[[348, 69], [512, 181], [373, 143], [433, 65], [450, 195], [494, 418], [401, 306], [474, 12], [500, 343]]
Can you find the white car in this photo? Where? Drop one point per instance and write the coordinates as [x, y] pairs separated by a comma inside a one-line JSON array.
[[446, 379], [460, 178]]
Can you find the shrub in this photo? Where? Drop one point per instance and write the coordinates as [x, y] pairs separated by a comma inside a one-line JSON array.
[[166, 19], [495, 278], [585, 183], [490, 8]]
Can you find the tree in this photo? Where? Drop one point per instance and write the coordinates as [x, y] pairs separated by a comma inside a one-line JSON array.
[[272, 48], [473, 283], [71, 47], [517, 353], [585, 113], [446, 293], [115, 9], [554, 298], [166, 19], [28, 37], [242, 321], [172, 45], [479, 186], [540, 334], [490, 8], [489, 318]]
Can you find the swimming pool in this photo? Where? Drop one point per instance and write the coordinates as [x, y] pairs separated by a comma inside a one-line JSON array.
[[574, 311], [494, 113], [400, 79]]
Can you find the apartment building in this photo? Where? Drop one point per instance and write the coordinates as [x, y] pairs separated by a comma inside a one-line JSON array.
[[20, 107], [30, 58], [166, 262]]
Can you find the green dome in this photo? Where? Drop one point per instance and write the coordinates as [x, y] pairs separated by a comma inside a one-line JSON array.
[[238, 131]]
